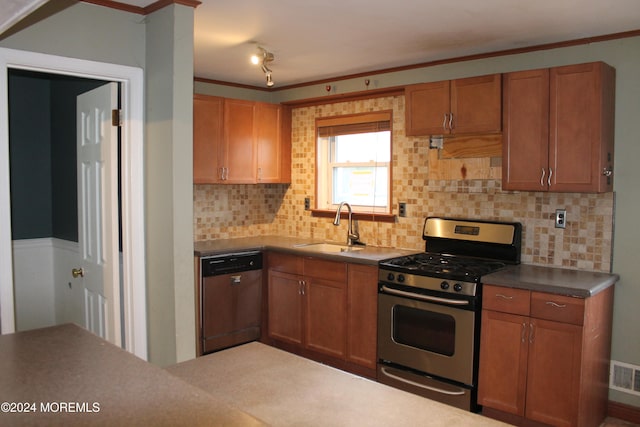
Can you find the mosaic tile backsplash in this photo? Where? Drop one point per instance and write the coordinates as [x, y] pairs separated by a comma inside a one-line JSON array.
[[227, 211]]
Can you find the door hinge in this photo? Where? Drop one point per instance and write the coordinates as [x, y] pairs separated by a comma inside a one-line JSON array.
[[116, 117]]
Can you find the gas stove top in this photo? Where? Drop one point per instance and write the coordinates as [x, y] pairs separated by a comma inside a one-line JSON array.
[[444, 266], [457, 254]]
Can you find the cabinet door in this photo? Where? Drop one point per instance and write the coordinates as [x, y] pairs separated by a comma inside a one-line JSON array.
[[285, 307], [581, 120], [502, 377], [476, 104], [362, 314], [427, 108], [525, 143], [239, 142], [326, 316], [553, 383], [269, 142], [207, 138]]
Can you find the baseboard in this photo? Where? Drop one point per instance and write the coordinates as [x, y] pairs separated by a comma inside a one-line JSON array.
[[624, 412]]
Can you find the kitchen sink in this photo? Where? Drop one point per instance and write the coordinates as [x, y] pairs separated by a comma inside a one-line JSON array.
[[328, 247]]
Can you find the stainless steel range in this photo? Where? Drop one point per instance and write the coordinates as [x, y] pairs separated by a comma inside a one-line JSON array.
[[429, 307]]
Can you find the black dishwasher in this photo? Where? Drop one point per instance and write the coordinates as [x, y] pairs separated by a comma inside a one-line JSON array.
[[231, 296]]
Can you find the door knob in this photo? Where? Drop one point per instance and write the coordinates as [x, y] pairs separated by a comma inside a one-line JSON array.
[[77, 272]]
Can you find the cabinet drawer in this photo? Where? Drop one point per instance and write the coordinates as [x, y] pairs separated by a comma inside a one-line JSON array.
[[506, 300], [284, 262], [557, 308], [327, 270]]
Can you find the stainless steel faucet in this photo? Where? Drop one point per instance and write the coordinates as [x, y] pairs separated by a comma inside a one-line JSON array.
[[353, 236]]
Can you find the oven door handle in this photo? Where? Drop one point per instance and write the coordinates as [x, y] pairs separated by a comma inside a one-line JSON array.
[[424, 297], [424, 386]]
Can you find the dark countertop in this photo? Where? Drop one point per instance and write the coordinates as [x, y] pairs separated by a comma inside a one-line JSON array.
[[563, 281], [577, 283], [367, 255], [61, 364]]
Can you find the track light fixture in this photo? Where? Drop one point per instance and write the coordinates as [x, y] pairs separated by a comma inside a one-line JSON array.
[[263, 58]]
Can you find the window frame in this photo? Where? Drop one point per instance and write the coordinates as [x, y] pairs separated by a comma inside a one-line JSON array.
[[355, 120]]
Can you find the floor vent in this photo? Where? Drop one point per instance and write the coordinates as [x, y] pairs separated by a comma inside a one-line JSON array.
[[625, 377]]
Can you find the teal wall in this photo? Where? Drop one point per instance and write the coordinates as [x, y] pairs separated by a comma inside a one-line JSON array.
[[30, 157], [42, 146]]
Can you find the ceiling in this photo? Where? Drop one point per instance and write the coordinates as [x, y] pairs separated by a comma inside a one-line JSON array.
[[314, 40]]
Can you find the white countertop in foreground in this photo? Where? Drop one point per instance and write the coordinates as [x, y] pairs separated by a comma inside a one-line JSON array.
[[283, 389]]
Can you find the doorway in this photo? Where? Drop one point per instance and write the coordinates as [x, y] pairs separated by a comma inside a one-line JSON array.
[[133, 270], [44, 196]]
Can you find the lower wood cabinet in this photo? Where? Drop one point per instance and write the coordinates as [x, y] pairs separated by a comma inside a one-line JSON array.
[[544, 357], [322, 309]]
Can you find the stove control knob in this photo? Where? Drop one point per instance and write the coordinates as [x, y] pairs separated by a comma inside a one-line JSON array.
[[400, 278], [457, 287], [444, 285], [391, 277]]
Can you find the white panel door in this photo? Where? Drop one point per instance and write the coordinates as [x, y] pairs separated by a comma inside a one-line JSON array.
[[97, 149]]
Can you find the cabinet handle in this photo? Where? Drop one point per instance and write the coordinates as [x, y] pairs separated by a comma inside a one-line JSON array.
[[524, 331], [450, 121], [549, 179], [444, 122], [555, 304], [531, 333], [607, 171], [259, 174], [542, 178], [503, 296]]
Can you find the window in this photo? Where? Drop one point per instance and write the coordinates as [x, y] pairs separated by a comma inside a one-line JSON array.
[[354, 162]]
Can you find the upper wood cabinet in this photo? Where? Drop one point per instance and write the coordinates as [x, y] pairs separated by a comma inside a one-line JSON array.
[[273, 141], [239, 164], [558, 129], [463, 106], [208, 112], [240, 142]]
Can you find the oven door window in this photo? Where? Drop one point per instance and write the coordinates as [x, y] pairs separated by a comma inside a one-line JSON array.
[[423, 329]]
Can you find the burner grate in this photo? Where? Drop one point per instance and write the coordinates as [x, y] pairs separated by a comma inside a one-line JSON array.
[[465, 268]]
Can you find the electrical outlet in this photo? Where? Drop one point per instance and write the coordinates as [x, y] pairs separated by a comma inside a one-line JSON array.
[[402, 209], [307, 203], [561, 218]]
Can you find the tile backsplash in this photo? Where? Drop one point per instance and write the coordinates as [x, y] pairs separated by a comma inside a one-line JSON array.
[[226, 211]]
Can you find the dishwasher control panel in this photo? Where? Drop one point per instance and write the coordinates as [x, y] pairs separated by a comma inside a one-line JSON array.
[[231, 263]]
